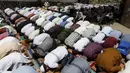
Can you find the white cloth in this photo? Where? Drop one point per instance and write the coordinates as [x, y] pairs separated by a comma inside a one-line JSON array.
[[44, 23], [59, 22], [6, 9], [99, 37], [8, 40], [9, 12], [80, 30], [52, 58], [48, 26], [56, 20], [127, 68], [13, 16], [33, 34], [57, 14], [68, 25], [96, 28], [27, 13], [49, 13], [85, 23], [39, 21], [70, 19], [22, 12], [30, 30], [25, 28], [90, 26], [38, 12], [80, 22], [16, 8], [42, 13], [39, 39], [12, 59], [66, 8], [42, 68], [107, 30], [80, 44], [27, 9], [33, 10]]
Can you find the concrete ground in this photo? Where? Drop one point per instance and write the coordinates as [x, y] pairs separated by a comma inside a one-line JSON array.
[[120, 27]]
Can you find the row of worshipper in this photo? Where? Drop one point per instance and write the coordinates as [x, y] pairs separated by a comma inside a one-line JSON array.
[[102, 38], [13, 49]]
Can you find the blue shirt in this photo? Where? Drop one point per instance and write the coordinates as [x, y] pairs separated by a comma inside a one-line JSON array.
[[64, 23], [123, 47]]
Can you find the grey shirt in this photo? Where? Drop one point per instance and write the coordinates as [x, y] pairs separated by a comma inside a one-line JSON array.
[[126, 37], [116, 33], [25, 69], [78, 65], [45, 46]]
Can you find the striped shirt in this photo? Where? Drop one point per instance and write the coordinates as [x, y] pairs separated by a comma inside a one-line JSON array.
[[72, 38]]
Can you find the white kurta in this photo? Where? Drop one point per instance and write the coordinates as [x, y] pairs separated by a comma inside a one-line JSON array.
[[107, 30], [68, 25], [70, 19], [96, 28], [80, 44], [39, 39], [85, 23], [80, 22], [90, 26], [22, 12], [49, 25], [12, 59], [33, 34], [80, 30], [99, 37], [39, 21], [30, 30], [23, 30], [52, 58]]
